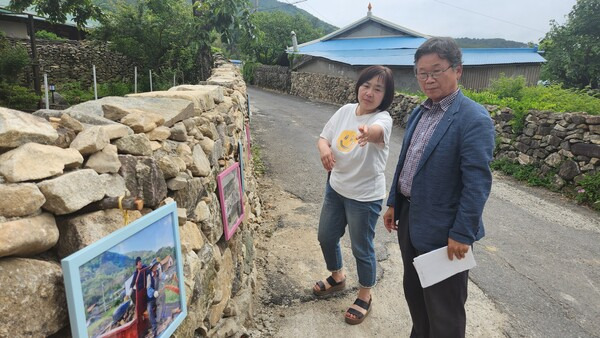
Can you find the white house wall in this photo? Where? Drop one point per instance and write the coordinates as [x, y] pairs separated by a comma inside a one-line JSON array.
[[14, 29]]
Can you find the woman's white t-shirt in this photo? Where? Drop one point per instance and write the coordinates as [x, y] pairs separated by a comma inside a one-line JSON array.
[[358, 172]]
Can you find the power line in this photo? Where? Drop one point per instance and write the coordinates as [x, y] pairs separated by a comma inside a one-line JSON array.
[[488, 16]]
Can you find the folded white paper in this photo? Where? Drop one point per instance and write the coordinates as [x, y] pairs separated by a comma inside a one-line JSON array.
[[434, 266]]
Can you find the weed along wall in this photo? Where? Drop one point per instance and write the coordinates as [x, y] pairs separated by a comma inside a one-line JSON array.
[[60, 172]]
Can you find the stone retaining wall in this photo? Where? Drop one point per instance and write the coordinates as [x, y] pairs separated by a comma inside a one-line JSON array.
[[161, 147], [273, 77], [70, 61]]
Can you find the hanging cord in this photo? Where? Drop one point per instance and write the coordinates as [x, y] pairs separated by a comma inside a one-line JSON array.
[[125, 213]]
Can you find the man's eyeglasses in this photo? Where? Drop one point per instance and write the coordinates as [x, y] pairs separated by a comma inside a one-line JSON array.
[[434, 75]]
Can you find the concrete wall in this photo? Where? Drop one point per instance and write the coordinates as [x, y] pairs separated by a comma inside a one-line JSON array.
[[57, 166], [14, 29]]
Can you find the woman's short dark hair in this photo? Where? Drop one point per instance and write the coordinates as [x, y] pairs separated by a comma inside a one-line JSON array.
[[388, 81], [446, 48]]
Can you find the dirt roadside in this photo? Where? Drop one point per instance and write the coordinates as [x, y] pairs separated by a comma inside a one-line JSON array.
[[289, 261]]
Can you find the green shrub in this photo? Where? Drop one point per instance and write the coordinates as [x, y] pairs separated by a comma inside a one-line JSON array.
[[17, 97], [114, 89], [588, 190], [248, 71], [45, 35], [528, 173], [505, 87], [74, 94], [13, 62]]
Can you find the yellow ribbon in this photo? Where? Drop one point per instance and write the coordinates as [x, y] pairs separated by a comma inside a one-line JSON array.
[[125, 213]]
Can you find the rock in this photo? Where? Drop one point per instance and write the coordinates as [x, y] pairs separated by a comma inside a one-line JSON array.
[[178, 132], [28, 236], [207, 145], [20, 200], [65, 137], [155, 145], [553, 160], [201, 212], [169, 168], [33, 161], [114, 184], [525, 159], [179, 182], [142, 122], [159, 134], [200, 165], [144, 179], [114, 113], [70, 123], [65, 195], [225, 275], [90, 140], [115, 131], [191, 237], [592, 119], [202, 100], [105, 161], [216, 92], [173, 110], [137, 144], [32, 301], [568, 170], [18, 128], [191, 195], [589, 150], [46, 114], [80, 231]]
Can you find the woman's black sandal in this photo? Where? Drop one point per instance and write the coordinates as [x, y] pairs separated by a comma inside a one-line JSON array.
[[359, 316], [334, 287]]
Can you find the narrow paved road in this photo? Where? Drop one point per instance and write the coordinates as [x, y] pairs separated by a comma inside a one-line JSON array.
[[540, 260]]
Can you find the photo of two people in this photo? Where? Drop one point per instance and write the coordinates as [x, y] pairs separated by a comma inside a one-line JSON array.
[[132, 289]]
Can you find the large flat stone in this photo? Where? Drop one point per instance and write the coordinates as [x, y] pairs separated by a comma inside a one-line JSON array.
[[202, 100], [589, 150], [28, 236], [25, 199], [18, 128], [65, 194], [216, 92], [173, 110]]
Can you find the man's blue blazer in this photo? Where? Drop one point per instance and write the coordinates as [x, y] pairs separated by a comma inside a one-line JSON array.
[[453, 178]]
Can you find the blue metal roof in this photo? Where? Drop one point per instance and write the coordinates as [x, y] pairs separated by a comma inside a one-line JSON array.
[[400, 51]]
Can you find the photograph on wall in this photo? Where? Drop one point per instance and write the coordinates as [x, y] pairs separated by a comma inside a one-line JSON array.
[[133, 288], [230, 195]]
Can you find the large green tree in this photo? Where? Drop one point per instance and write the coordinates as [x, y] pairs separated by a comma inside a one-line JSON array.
[[272, 35], [573, 49], [58, 10]]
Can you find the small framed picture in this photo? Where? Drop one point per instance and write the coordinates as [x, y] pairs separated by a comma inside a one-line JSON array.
[[130, 283], [241, 160], [248, 145], [229, 185]]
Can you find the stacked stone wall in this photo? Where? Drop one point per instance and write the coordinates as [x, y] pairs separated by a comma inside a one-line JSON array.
[[58, 167], [273, 77], [72, 61]]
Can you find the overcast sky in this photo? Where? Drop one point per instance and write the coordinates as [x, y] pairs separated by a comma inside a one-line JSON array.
[[518, 20]]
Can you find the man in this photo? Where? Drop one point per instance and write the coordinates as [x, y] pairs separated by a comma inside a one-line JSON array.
[[152, 282], [440, 187], [138, 284]]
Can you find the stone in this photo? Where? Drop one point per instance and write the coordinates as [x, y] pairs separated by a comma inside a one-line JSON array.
[[558, 182], [553, 160], [202, 100], [114, 113], [28, 236], [225, 275], [568, 170], [105, 161], [90, 140], [201, 212], [142, 122], [33, 161], [209, 130], [144, 179], [136, 144], [155, 145], [159, 133], [179, 182], [181, 216], [115, 131], [65, 195], [216, 92], [178, 132], [65, 137], [207, 145], [595, 128], [169, 168], [115, 185], [525, 159], [191, 195], [200, 165], [173, 110], [592, 119], [32, 301], [191, 237], [70, 123], [80, 231], [589, 150], [46, 114], [18, 128], [24, 199]]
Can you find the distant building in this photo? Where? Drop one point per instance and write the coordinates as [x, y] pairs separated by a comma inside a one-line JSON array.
[[375, 41]]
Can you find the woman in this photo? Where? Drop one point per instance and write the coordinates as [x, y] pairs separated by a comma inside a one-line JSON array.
[[354, 150]]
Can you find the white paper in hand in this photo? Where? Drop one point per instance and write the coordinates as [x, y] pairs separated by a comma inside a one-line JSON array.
[[434, 266]]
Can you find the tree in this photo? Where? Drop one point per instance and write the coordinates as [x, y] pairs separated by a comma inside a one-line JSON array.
[[57, 11], [272, 35], [573, 49]]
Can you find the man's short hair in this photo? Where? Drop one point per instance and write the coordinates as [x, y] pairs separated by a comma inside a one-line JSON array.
[[445, 47], [138, 259]]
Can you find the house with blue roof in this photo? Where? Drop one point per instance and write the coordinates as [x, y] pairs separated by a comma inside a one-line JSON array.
[[375, 41]]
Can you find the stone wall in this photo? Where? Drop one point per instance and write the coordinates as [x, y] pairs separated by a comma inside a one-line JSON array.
[[324, 88], [273, 77], [69, 61], [58, 167]]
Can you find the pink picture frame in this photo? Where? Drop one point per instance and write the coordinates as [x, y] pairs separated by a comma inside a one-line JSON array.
[[229, 186]]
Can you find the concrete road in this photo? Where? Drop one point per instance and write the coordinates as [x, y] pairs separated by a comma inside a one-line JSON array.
[[538, 272]]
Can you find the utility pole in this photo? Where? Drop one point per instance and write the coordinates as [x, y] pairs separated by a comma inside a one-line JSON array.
[[34, 60]]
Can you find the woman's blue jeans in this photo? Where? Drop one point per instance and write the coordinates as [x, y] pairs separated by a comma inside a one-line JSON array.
[[361, 218]]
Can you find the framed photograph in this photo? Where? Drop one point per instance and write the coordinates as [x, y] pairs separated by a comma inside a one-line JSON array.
[[248, 145], [130, 283], [229, 184], [241, 160]]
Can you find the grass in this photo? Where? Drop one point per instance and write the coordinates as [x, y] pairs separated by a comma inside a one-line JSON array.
[[259, 166]]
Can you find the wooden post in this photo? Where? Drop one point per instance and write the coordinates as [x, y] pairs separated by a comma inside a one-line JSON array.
[[34, 60]]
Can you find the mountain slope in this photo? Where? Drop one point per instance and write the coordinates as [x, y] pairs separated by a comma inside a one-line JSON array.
[[274, 5]]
